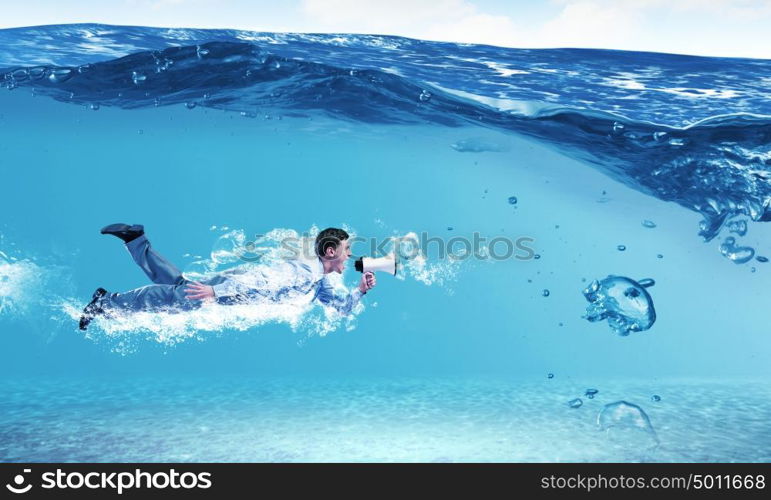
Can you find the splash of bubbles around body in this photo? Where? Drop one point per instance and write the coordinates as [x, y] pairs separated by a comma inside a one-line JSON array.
[[234, 252]]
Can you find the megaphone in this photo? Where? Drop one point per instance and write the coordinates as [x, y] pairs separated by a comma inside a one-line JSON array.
[[387, 264]]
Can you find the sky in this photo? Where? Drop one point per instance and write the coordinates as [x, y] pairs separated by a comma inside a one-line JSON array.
[[737, 28]]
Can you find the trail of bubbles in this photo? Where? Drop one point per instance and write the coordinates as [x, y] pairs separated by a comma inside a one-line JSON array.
[[30, 288], [20, 283], [126, 331], [415, 264]]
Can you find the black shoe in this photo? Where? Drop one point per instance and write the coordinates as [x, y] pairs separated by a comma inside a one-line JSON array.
[[124, 231], [92, 309]]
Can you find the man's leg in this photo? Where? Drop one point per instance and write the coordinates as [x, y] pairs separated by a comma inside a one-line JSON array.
[[155, 266], [149, 298]]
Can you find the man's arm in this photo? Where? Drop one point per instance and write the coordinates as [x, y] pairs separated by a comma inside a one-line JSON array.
[[230, 287], [261, 280], [344, 303]]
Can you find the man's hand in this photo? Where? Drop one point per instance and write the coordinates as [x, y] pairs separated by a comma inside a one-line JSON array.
[[367, 282], [198, 291]]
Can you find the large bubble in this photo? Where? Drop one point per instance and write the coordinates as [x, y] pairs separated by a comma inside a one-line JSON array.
[[624, 302], [627, 425]]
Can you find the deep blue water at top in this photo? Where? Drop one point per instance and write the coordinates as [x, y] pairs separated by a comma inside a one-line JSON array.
[[648, 166]]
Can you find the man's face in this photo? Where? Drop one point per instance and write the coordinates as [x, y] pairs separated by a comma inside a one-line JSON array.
[[339, 256]]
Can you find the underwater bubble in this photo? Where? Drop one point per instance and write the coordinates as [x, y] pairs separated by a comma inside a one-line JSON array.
[[201, 52], [590, 393], [760, 258], [59, 75], [512, 200], [545, 292], [20, 74], [84, 68], [617, 127], [537, 256], [228, 248], [425, 96], [624, 302], [646, 282], [648, 223], [478, 145], [551, 375], [161, 66], [659, 256], [738, 227], [198, 270], [627, 424], [137, 78], [37, 72], [659, 135], [621, 248], [575, 403], [190, 105], [738, 254], [408, 248], [450, 228], [94, 107], [655, 398], [140, 131], [752, 269]]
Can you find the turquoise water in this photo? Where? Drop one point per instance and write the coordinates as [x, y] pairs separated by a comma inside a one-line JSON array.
[[449, 362]]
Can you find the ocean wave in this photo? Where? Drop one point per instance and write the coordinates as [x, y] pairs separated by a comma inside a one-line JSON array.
[[692, 130]]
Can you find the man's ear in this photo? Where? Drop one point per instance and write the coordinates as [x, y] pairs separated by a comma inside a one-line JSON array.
[[330, 252]]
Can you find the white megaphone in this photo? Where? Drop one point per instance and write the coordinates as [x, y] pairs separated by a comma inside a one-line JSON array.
[[386, 264]]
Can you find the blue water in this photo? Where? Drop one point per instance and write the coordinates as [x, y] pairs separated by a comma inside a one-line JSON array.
[[628, 164]]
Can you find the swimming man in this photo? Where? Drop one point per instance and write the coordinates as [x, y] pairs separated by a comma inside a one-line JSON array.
[[239, 285]]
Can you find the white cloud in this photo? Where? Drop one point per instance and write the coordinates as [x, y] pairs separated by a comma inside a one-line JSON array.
[[714, 27], [705, 27], [376, 16], [475, 28], [589, 24]]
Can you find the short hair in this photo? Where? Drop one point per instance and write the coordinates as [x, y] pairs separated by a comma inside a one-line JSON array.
[[329, 237]]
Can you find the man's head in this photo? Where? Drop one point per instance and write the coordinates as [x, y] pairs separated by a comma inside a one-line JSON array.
[[333, 248]]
